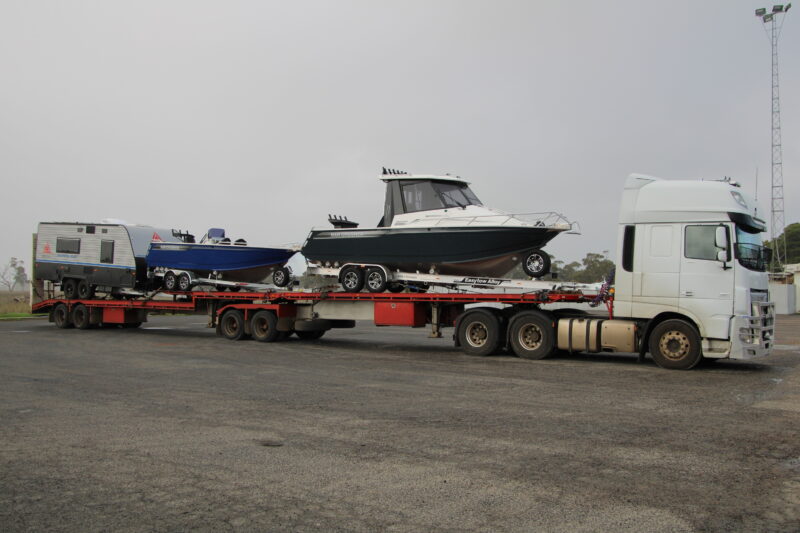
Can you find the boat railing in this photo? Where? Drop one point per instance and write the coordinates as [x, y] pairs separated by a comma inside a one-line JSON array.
[[547, 219]]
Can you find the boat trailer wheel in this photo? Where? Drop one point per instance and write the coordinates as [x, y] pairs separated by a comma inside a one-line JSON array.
[[536, 264], [376, 280], [352, 279]]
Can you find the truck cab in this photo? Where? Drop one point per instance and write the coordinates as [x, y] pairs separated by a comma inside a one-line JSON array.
[[691, 251]]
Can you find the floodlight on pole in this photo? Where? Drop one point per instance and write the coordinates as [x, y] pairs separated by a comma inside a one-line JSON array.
[[778, 224]]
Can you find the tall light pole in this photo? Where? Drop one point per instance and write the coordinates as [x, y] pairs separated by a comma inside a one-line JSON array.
[[777, 226]]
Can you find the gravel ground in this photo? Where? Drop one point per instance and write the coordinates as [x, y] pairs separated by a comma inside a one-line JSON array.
[[170, 428]]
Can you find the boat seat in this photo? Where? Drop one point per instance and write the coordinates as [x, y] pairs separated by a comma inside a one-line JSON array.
[[224, 241], [240, 242]]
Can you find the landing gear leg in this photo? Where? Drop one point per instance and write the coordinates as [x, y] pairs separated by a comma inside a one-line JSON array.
[[436, 332]]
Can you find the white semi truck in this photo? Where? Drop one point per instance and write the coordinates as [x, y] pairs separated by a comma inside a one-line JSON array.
[[691, 282]]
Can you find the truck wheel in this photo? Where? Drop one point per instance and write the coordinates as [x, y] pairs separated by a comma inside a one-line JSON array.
[[80, 316], [376, 280], [479, 332], [170, 281], [70, 288], [532, 335], [184, 282], [232, 325], [536, 264], [264, 326], [352, 279], [310, 335], [85, 290], [61, 317], [675, 344], [281, 277]]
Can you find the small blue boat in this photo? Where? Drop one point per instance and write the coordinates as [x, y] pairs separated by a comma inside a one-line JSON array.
[[215, 256]]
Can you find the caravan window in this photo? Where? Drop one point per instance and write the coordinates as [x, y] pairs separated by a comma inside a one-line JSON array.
[[68, 246], [106, 251]]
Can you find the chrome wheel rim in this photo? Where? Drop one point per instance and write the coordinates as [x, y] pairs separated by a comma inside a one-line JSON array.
[[350, 280], [534, 262], [374, 280]]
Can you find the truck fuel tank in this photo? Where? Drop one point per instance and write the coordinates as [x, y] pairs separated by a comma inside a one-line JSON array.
[[596, 334]]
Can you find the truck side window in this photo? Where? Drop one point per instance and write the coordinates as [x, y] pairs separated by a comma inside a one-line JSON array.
[[627, 248], [700, 243], [68, 246], [106, 251]]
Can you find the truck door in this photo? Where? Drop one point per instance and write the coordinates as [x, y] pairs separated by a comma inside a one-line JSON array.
[[706, 283]]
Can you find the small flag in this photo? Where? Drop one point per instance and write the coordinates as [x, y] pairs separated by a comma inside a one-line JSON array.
[[156, 237]]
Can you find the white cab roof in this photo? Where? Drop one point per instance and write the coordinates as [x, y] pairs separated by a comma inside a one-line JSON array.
[[411, 177]]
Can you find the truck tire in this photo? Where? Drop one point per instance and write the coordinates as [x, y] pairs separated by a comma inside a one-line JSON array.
[[310, 335], [264, 326], [376, 280], [479, 332], [536, 263], [85, 290], [69, 287], [80, 316], [352, 279], [170, 281], [675, 344], [61, 317], [231, 325], [532, 335]]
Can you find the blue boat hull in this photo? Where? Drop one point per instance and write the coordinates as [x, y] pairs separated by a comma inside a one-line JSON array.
[[230, 262]]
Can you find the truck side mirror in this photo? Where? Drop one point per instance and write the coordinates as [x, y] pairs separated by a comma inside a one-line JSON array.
[[721, 242], [722, 238]]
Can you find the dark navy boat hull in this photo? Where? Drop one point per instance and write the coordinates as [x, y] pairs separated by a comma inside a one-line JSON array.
[[234, 263], [486, 251]]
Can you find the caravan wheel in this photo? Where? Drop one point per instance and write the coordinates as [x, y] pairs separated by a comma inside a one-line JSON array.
[[70, 288], [85, 290]]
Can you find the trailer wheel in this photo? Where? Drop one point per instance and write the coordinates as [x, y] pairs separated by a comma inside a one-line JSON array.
[[532, 336], [281, 277], [352, 279], [396, 287], [184, 282], [536, 264], [69, 287], [479, 332], [80, 316], [310, 335], [376, 280], [170, 281], [85, 290], [232, 325], [675, 344], [264, 326], [61, 317]]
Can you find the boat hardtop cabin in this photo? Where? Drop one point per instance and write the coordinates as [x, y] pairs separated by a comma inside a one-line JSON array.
[[423, 200]]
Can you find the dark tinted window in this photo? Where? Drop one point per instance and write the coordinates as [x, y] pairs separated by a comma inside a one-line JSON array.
[[107, 251], [421, 196], [68, 246], [700, 242], [89, 229], [627, 248]]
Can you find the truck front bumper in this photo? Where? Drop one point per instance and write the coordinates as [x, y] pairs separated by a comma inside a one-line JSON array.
[[752, 336]]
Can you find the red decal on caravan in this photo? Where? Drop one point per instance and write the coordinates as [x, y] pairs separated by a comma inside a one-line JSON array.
[[47, 249], [156, 236]]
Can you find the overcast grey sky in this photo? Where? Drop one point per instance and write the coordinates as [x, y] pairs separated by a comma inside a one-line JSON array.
[[262, 117]]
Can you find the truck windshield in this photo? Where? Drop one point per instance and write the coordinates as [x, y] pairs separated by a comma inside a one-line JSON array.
[[431, 195], [750, 252]]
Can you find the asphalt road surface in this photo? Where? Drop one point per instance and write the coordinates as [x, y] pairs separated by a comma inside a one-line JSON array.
[[170, 428]]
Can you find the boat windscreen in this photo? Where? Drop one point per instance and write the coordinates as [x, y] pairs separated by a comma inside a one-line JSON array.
[[431, 195]]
